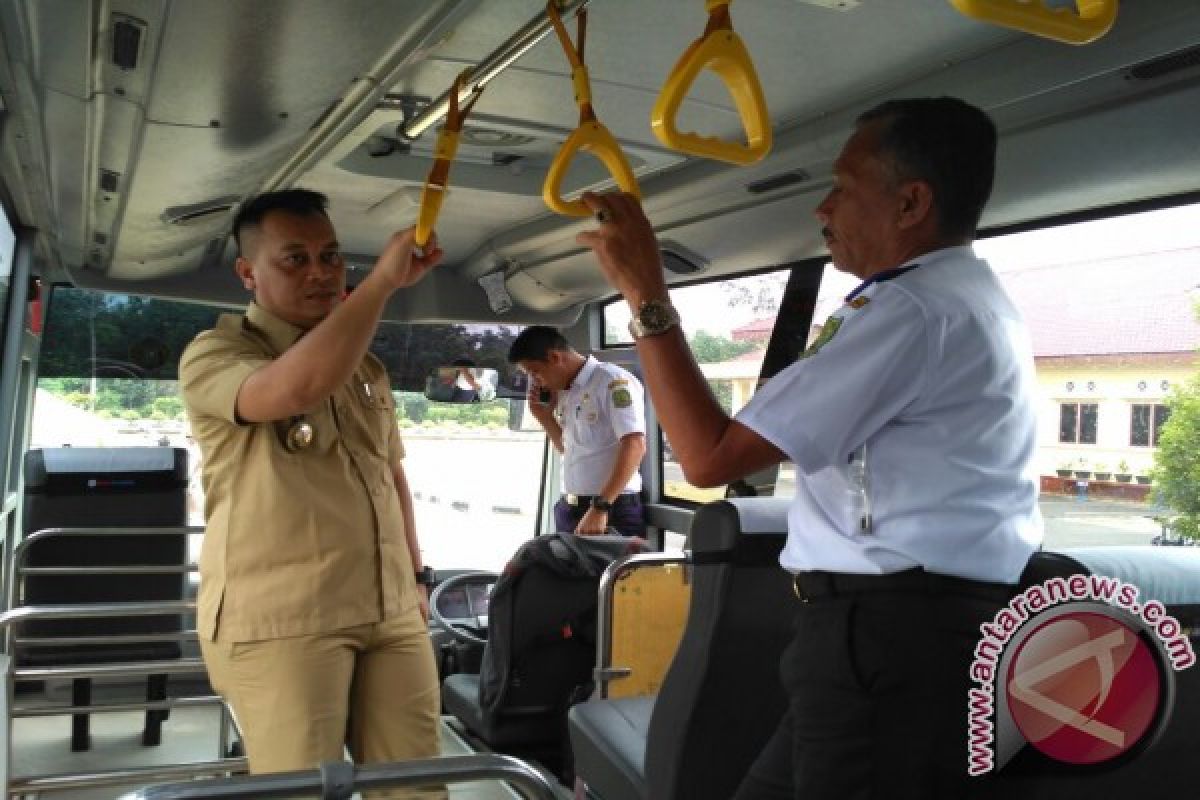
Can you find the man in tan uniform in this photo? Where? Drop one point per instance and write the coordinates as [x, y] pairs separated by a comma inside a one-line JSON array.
[[312, 608]]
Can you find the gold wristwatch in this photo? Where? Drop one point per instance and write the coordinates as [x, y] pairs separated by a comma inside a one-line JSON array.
[[653, 317]]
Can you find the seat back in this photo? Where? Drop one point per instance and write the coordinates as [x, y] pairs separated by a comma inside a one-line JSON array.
[[542, 622], [1170, 575], [723, 684], [127, 487]]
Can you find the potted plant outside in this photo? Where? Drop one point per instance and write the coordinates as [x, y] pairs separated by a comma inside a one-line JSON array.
[[1123, 474]]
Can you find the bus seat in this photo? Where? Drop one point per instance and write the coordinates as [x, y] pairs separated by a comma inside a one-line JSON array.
[[1170, 575], [541, 642], [123, 487], [723, 683]]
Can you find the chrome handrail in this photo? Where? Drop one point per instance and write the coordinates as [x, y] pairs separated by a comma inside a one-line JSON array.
[[492, 65], [604, 671], [122, 777], [532, 784]]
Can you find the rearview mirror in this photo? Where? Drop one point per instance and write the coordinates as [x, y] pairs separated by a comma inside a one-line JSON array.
[[462, 384]]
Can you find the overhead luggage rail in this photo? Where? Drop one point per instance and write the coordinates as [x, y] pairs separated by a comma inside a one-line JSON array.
[[1085, 23], [492, 65], [338, 780]]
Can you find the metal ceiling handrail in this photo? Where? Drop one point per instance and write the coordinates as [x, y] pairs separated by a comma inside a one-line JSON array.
[[492, 65]]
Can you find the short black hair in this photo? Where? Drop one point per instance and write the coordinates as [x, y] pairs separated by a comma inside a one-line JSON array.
[[301, 202], [947, 143], [535, 343]]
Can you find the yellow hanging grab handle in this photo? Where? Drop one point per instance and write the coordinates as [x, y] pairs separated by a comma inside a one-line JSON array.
[[721, 50], [437, 182], [589, 137], [1090, 20]]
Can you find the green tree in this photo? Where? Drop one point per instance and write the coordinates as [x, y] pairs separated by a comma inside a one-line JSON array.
[[710, 349], [1177, 459]]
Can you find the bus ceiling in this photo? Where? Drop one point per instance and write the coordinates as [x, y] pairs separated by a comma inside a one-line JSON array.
[[132, 130]]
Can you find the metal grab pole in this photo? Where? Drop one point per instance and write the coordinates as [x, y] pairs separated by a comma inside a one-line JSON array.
[[491, 66], [423, 772]]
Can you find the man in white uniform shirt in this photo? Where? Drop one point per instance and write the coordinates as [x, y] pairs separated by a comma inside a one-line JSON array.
[[912, 425], [594, 414]]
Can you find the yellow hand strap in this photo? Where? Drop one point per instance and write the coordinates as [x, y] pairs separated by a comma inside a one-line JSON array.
[[721, 50], [1090, 20], [589, 137], [437, 182]]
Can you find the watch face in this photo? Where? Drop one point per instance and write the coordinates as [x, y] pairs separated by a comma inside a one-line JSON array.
[[655, 317]]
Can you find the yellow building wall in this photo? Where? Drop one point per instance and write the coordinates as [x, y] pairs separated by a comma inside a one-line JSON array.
[[1115, 389]]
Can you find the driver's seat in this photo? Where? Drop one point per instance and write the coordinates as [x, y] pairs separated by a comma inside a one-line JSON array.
[[541, 641]]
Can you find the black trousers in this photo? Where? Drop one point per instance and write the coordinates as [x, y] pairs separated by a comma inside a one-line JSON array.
[[877, 686], [626, 516]]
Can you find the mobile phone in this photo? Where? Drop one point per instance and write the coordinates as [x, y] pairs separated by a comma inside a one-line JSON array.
[[544, 396]]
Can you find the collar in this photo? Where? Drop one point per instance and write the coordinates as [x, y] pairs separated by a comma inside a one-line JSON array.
[[585, 373], [925, 259], [279, 334]]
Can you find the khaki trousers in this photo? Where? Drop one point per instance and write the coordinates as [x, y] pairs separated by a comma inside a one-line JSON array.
[[296, 699]]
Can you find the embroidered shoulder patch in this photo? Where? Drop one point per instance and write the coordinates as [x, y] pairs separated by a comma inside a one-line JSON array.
[[859, 302], [832, 325], [621, 398]]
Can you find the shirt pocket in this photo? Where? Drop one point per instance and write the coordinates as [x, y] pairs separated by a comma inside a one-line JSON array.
[[376, 411]]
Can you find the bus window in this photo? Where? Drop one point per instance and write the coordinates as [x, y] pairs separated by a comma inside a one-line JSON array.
[[1111, 307], [107, 378], [475, 481], [728, 324]]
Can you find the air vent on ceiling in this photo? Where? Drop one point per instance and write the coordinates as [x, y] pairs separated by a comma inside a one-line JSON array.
[[109, 181], [678, 260], [778, 181], [490, 137], [198, 212], [126, 41], [1165, 65]]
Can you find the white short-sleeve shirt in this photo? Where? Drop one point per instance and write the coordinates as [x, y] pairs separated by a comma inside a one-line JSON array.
[[912, 424], [603, 404]]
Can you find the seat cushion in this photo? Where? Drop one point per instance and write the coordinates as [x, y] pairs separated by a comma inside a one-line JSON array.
[[460, 697], [608, 739]]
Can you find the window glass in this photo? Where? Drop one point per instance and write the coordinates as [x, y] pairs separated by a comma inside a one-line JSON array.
[[1110, 306], [107, 378], [1139, 434], [728, 324]]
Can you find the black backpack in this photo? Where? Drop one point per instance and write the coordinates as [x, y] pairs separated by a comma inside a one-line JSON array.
[[542, 622]]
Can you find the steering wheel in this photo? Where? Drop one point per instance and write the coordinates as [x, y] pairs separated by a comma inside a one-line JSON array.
[[463, 629]]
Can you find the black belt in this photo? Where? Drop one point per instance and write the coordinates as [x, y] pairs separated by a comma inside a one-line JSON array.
[[810, 586], [577, 500]]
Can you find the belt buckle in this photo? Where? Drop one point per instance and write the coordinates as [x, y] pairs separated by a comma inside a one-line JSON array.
[[800, 595]]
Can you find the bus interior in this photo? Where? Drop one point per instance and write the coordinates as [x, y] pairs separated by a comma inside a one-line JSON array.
[[132, 130]]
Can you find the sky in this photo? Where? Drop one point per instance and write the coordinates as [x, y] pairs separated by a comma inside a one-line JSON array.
[[706, 307]]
